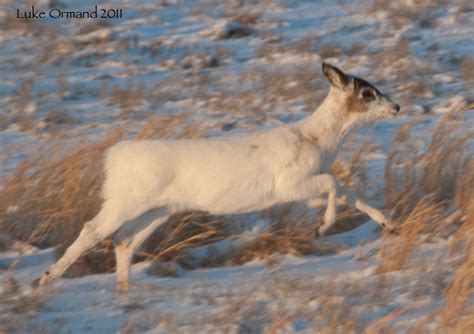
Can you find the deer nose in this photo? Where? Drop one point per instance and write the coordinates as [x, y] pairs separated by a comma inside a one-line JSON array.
[[396, 107]]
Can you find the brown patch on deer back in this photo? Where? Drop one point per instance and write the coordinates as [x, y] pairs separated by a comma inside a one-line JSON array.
[[311, 138], [305, 137], [301, 143], [253, 149]]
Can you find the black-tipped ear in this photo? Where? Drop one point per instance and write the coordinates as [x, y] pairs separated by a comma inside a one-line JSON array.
[[335, 76]]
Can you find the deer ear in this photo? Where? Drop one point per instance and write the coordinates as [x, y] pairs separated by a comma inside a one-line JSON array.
[[335, 76]]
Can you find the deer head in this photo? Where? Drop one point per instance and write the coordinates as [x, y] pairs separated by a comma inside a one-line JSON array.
[[360, 100]]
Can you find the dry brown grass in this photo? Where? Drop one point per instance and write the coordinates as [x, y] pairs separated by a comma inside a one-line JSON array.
[[46, 191], [357, 48], [418, 171], [49, 197], [330, 51], [275, 45], [23, 95], [333, 312], [128, 98], [292, 232], [172, 126], [397, 253], [402, 13], [458, 312], [56, 117], [181, 232], [466, 68], [262, 91], [429, 183], [248, 17], [382, 325], [286, 84]]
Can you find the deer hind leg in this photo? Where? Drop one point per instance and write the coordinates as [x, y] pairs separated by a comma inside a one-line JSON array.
[[130, 237], [107, 221]]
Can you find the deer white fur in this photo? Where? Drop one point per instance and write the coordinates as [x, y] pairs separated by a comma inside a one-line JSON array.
[[147, 181]]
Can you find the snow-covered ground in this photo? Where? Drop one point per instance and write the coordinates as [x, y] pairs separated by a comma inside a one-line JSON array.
[[174, 58], [303, 292]]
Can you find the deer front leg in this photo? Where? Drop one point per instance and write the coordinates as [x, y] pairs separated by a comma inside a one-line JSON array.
[[328, 184], [313, 189], [347, 197], [375, 214]]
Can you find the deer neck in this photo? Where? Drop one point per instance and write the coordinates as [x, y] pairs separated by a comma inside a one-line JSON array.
[[330, 124]]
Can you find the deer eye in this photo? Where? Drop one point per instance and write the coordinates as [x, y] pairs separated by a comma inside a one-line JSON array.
[[368, 95]]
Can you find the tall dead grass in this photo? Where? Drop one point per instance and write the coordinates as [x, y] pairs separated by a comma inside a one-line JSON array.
[[51, 194], [48, 198], [458, 311], [429, 184], [127, 99], [426, 166]]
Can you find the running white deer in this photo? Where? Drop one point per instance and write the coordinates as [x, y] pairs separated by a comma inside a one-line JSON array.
[[147, 181]]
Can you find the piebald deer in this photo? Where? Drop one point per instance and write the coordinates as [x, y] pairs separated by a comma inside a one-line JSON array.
[[147, 181]]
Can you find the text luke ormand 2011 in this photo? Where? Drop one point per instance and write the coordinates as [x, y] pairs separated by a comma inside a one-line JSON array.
[[58, 13]]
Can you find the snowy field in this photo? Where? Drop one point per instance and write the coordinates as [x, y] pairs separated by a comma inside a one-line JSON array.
[[192, 69]]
